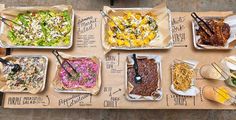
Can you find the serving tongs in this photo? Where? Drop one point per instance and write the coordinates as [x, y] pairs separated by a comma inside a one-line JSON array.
[[231, 60], [16, 67], [5, 19], [58, 56], [224, 73], [106, 15], [202, 24], [231, 100]]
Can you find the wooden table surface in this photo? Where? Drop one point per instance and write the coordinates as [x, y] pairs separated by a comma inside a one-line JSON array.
[[174, 5]]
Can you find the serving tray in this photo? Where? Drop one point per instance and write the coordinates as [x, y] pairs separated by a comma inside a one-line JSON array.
[[3, 43], [44, 72]]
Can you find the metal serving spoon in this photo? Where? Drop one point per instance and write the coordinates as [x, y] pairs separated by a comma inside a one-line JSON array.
[[137, 77], [16, 67]]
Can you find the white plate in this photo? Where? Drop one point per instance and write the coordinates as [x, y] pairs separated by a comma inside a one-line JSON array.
[[192, 91]]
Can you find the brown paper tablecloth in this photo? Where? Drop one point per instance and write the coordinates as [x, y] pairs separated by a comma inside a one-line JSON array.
[[87, 42]]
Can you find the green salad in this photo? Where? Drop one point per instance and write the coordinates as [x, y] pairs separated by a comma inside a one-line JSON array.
[[233, 80], [42, 28]]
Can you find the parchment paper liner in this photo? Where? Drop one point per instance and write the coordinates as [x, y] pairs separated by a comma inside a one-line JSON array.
[[231, 20], [232, 69], [12, 12], [4, 88], [129, 86], [163, 39], [210, 94], [59, 87], [193, 90], [215, 71], [229, 65]]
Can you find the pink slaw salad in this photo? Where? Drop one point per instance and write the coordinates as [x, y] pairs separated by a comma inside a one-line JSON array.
[[87, 73]]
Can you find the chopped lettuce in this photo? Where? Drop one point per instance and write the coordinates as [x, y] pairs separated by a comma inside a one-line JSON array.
[[42, 28]]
